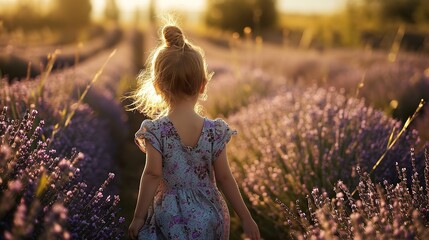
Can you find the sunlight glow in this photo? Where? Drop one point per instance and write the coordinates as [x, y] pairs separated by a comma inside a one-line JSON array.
[[129, 6], [302, 6], [310, 6]]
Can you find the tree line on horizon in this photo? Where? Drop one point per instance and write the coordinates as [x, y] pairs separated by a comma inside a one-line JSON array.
[[234, 15]]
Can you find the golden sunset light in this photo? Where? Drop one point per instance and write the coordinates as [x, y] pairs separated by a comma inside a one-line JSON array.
[[302, 6]]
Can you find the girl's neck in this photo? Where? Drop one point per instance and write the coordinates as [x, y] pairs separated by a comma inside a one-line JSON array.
[[183, 108]]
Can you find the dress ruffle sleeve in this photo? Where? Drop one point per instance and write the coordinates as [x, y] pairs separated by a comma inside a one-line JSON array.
[[147, 131], [222, 135]]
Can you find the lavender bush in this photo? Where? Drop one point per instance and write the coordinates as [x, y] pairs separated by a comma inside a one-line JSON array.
[[86, 131], [41, 195], [303, 138], [228, 93], [381, 211], [46, 191], [96, 125]]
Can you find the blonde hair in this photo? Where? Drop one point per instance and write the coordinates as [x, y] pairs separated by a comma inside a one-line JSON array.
[[174, 70]]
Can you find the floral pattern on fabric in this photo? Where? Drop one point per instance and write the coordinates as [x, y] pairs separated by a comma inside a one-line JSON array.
[[188, 204]]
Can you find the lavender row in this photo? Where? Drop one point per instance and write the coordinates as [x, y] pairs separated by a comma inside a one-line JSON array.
[[380, 211], [306, 138], [85, 134], [42, 195], [97, 125]]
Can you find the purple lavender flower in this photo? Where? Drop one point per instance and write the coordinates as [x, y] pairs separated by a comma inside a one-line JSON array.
[[389, 212], [50, 199], [300, 139]]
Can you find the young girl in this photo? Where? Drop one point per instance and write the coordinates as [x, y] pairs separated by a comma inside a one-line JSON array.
[[185, 152]]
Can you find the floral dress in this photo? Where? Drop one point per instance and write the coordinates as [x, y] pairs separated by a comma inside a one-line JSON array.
[[187, 205]]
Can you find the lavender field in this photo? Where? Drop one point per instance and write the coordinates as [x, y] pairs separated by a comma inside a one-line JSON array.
[[333, 139]]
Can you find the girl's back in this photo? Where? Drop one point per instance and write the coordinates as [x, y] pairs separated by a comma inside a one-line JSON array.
[[187, 199], [189, 129]]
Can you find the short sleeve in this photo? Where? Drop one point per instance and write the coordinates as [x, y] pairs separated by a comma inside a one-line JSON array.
[[148, 131], [222, 136]]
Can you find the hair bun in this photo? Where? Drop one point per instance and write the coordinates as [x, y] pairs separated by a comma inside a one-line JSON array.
[[173, 36]]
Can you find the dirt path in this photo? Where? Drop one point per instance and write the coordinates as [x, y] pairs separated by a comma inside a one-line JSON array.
[[131, 159]]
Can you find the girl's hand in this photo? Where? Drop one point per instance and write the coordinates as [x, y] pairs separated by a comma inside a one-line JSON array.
[[251, 229], [135, 226]]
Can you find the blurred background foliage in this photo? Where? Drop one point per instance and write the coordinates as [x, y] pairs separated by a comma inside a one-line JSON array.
[[235, 15], [111, 12], [32, 16], [70, 14], [408, 11]]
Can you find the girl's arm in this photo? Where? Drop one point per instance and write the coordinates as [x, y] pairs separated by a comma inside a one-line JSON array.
[[149, 182], [230, 189]]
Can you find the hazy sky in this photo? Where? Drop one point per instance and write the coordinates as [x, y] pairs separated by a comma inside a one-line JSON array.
[[303, 6], [284, 5], [310, 5]]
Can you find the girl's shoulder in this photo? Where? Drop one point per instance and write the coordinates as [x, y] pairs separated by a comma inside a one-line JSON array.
[[148, 126], [220, 135], [151, 130], [219, 123], [221, 128]]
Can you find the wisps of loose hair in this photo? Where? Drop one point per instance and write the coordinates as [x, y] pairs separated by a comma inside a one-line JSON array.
[[159, 85]]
